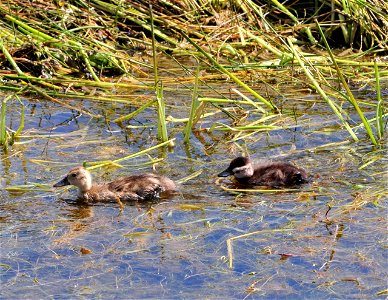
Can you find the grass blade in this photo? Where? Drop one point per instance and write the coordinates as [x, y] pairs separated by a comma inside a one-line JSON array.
[[10, 59], [231, 75], [322, 92], [350, 97], [380, 106], [193, 110]]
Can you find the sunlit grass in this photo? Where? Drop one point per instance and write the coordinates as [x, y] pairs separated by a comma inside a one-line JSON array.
[[349, 94], [195, 112], [380, 127], [238, 50], [7, 137]]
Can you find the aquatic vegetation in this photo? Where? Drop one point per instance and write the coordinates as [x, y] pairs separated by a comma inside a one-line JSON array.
[[7, 137], [98, 40]]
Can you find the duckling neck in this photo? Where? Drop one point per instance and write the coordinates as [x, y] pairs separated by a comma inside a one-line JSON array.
[[85, 186], [244, 171], [85, 192]]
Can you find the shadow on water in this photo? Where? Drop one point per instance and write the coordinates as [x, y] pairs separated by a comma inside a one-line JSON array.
[[325, 240]]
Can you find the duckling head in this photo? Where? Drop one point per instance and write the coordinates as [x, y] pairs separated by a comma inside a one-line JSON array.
[[79, 177], [240, 167], [298, 176]]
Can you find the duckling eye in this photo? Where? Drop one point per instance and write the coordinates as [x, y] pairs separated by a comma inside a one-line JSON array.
[[73, 175]]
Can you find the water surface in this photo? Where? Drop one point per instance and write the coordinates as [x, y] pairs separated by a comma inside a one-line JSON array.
[[325, 241]]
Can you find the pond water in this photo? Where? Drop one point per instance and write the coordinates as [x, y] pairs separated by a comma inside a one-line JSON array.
[[326, 240]]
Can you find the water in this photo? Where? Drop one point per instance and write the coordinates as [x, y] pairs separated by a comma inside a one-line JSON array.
[[325, 241]]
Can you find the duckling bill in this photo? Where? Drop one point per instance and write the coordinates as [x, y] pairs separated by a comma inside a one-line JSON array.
[[273, 174], [132, 188]]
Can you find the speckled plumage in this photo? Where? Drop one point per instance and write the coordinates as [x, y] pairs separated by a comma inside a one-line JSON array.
[[274, 174], [132, 188]]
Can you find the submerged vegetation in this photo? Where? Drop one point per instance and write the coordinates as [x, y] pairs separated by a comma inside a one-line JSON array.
[[93, 49]]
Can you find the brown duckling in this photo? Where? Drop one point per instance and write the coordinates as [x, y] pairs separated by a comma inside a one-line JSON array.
[[132, 188], [274, 174]]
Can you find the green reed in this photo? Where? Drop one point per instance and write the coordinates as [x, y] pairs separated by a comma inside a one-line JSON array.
[[349, 95], [8, 137], [161, 106], [3, 114], [380, 128], [10, 59], [318, 88], [230, 74], [251, 43], [116, 162], [194, 108]]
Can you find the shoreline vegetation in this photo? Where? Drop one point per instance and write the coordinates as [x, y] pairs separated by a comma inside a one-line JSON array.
[[60, 50]]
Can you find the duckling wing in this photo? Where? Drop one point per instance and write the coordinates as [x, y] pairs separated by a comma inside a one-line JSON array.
[[280, 174], [272, 178], [136, 187]]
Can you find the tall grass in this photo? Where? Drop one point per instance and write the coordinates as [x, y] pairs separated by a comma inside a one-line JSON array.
[[7, 137], [350, 98], [319, 89], [193, 109], [161, 106], [245, 41], [380, 127], [231, 75]]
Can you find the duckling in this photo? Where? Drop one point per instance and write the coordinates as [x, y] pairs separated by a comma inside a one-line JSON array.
[[274, 174], [132, 188]]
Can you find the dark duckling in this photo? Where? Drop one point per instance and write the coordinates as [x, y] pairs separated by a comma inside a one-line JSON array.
[[132, 188], [274, 174]]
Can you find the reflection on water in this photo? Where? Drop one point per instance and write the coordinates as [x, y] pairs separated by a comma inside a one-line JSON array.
[[327, 240]]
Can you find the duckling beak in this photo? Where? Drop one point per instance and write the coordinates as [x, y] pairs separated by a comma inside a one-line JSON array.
[[63, 182], [225, 173]]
